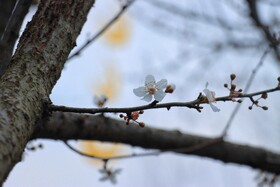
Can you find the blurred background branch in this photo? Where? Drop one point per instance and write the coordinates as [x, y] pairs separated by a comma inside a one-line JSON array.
[[69, 126]]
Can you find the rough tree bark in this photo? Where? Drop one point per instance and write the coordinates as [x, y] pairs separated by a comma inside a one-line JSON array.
[[33, 71]]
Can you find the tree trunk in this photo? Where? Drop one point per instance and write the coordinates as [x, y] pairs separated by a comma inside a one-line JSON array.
[[33, 71]]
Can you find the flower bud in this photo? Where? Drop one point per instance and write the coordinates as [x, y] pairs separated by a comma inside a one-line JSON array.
[[100, 100], [170, 88], [232, 76], [265, 107], [225, 85], [134, 115], [264, 95], [141, 124]]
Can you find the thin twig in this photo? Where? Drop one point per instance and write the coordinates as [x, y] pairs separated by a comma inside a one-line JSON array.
[[99, 33], [6, 29], [271, 39], [192, 104], [249, 83], [193, 15], [154, 153]]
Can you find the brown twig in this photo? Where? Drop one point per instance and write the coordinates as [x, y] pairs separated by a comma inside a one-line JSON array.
[[272, 40], [105, 28], [154, 153], [193, 15], [10, 33], [192, 104]]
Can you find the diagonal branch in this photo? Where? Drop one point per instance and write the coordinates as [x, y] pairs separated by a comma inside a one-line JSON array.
[[9, 34], [69, 126], [254, 14], [104, 29]]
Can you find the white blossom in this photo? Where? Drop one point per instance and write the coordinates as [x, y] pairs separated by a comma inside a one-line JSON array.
[[109, 174], [100, 100], [151, 88], [211, 98]]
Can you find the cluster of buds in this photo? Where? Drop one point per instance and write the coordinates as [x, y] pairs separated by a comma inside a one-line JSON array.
[[133, 116], [256, 102], [233, 92]]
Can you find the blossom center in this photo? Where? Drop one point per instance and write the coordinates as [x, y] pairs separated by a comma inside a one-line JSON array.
[[152, 90]]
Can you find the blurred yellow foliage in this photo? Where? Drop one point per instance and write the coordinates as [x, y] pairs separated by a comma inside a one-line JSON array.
[[110, 85], [101, 149], [119, 33]]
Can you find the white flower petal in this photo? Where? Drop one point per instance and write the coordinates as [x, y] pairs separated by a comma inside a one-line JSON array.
[[150, 81], [161, 84], [206, 91], [102, 171], [206, 85], [214, 108], [140, 92], [117, 171], [159, 95], [209, 95], [213, 94], [95, 99], [147, 97], [103, 97], [104, 178], [113, 179]]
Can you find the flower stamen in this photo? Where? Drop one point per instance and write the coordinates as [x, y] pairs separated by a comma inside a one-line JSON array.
[[151, 90]]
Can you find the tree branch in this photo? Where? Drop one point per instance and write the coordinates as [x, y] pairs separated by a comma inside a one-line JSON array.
[[191, 104], [254, 14], [69, 126], [6, 10], [104, 29], [9, 34]]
